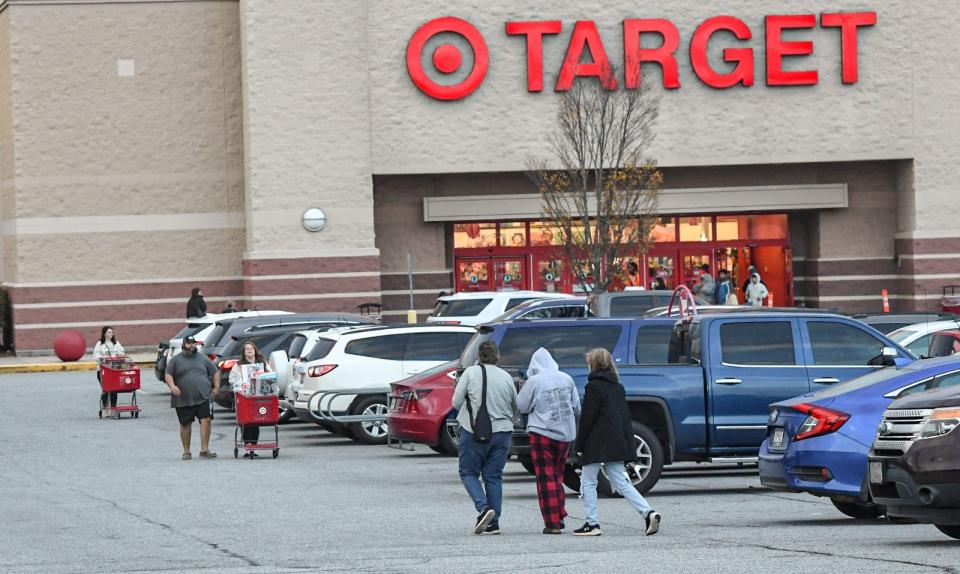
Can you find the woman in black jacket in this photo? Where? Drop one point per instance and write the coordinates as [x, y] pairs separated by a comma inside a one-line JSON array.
[[196, 306], [605, 437]]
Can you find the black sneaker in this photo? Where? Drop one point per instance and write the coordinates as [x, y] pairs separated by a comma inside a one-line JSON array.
[[653, 523], [588, 530], [563, 526], [484, 520], [552, 531], [492, 529]]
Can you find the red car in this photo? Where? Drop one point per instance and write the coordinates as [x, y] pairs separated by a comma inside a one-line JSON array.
[[421, 409]]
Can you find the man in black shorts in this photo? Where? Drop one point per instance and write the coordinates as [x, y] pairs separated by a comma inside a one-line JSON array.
[[192, 377]]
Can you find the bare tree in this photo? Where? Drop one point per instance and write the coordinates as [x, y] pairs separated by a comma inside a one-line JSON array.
[[602, 192]]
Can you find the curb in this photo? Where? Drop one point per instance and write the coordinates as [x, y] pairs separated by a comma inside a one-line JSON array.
[[58, 367]]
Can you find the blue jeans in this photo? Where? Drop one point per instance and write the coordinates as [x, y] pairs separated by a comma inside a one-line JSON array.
[[487, 459], [617, 475]]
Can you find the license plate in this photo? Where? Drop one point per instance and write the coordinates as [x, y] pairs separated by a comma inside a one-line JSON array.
[[778, 435], [876, 472]]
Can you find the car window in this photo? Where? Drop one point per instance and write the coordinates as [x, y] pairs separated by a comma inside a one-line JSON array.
[[388, 347], [942, 345], [919, 347], [567, 344], [925, 385], [190, 329], [219, 330], [757, 343], [463, 339], [296, 346], [320, 350], [842, 344], [460, 308], [556, 312], [471, 353], [653, 344], [900, 335], [632, 306], [432, 347], [511, 303], [948, 380]]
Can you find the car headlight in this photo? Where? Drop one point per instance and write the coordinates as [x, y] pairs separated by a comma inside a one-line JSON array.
[[941, 422]]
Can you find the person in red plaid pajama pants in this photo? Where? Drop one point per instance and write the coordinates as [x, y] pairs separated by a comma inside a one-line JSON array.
[[551, 402]]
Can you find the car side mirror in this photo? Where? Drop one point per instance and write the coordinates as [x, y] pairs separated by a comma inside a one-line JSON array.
[[887, 358]]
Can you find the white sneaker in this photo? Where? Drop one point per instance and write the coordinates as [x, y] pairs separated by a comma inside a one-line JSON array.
[[653, 522]]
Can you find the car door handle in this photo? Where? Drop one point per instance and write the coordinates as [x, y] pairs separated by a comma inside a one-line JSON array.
[[728, 381], [826, 380]]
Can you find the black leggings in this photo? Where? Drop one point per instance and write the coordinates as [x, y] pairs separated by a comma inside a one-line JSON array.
[[103, 396], [251, 434]]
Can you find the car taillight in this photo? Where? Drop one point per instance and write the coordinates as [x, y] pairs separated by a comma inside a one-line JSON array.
[[227, 365], [213, 358], [819, 421], [320, 370]]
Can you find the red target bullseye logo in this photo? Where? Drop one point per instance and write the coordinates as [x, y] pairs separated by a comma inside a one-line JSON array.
[[447, 58]]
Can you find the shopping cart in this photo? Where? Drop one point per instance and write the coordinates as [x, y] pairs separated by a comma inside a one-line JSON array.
[[118, 374], [259, 411]]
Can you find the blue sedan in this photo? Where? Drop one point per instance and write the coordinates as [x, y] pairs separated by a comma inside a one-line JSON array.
[[819, 442]]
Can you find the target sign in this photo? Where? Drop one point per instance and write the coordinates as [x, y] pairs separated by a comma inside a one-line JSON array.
[[263, 411], [447, 58]]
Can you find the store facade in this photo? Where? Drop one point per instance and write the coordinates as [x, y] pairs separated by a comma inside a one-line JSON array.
[[815, 142]]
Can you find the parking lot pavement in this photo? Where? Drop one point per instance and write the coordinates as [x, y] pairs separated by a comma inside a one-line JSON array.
[[79, 494]]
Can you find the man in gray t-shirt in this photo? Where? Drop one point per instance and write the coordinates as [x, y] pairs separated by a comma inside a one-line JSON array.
[[192, 379]]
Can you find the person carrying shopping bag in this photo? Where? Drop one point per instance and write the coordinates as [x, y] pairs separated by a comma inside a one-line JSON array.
[[552, 403], [605, 437], [107, 346], [241, 380]]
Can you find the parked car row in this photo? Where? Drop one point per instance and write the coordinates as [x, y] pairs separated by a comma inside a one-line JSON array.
[[802, 391]]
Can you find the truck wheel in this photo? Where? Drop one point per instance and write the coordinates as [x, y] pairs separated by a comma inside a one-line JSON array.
[[448, 440], [526, 462], [646, 469], [373, 432], [858, 510], [953, 531], [643, 473]]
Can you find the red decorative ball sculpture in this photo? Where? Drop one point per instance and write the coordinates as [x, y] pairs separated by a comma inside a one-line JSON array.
[[69, 346]]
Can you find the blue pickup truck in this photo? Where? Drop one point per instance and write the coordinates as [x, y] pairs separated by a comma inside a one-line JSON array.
[[699, 389]]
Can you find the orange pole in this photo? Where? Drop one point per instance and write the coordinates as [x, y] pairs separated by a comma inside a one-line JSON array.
[[886, 301]]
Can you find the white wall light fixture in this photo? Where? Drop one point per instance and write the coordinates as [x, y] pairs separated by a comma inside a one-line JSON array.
[[314, 219]]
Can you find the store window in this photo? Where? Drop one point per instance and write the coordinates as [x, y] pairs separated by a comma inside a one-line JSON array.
[[466, 235], [696, 229], [665, 230], [544, 234], [513, 234], [758, 227]]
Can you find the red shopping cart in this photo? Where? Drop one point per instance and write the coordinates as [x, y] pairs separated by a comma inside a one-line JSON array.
[[256, 411], [118, 374]]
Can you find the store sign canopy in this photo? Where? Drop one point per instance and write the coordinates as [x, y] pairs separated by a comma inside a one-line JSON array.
[[586, 56]]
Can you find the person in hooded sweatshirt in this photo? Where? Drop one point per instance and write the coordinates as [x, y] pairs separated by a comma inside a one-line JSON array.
[[552, 403], [605, 437], [756, 292]]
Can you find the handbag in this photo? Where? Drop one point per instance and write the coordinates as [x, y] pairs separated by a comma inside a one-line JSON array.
[[482, 425]]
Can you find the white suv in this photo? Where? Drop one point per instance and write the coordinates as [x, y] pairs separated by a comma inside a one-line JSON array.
[[483, 307], [369, 358]]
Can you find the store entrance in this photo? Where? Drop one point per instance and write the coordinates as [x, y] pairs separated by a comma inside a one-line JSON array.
[[491, 274]]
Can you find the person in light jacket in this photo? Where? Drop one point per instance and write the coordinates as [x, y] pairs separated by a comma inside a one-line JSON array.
[[756, 292], [605, 437], [107, 346], [552, 404]]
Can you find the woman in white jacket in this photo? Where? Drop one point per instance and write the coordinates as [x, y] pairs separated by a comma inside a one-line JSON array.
[[756, 292], [552, 405], [107, 346]]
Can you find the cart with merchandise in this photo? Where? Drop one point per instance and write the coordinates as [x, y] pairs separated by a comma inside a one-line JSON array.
[[261, 410]]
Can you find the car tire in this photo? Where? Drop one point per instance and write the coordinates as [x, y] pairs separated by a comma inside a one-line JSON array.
[[526, 462], [643, 474], [858, 510], [370, 432], [953, 531], [286, 415], [447, 443]]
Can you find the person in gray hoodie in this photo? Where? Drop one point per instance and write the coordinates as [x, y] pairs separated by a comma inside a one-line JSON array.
[[552, 404]]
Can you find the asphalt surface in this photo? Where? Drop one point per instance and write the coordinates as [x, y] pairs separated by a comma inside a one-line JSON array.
[[79, 494]]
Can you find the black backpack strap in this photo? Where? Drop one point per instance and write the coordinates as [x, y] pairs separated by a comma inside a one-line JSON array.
[[483, 397]]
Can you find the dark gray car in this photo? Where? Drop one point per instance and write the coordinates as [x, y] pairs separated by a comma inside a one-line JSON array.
[[229, 329]]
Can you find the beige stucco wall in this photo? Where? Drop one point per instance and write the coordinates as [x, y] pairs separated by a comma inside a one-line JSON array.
[[307, 130], [8, 247], [92, 144]]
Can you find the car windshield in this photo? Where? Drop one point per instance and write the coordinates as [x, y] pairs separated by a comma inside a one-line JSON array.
[[471, 353], [460, 307], [901, 335]]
